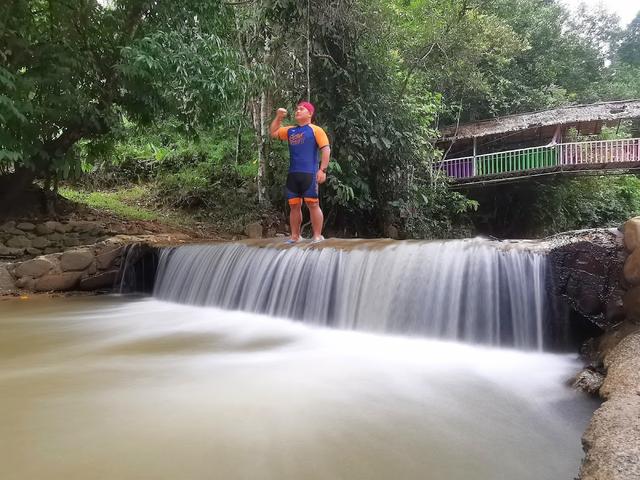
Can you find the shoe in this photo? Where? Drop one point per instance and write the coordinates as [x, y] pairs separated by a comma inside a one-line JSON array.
[[317, 240], [291, 241]]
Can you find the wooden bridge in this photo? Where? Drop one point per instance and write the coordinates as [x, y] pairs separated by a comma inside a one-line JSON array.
[[557, 155]]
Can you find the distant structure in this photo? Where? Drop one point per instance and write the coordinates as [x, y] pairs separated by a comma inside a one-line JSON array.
[[540, 143]]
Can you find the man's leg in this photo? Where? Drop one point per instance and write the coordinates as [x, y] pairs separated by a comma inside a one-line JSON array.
[[295, 217], [317, 219]]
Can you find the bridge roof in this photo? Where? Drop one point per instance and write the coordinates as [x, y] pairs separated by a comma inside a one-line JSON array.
[[576, 114]]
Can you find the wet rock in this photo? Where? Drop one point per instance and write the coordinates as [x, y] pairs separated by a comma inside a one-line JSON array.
[[101, 281], [76, 260], [253, 230], [61, 281], [631, 231], [586, 274], [34, 268], [392, 232], [588, 381], [19, 242], [26, 226]]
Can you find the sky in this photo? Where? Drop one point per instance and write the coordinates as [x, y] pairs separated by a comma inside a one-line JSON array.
[[626, 9]]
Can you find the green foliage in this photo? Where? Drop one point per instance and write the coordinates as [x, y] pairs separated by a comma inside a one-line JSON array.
[[585, 202], [70, 69]]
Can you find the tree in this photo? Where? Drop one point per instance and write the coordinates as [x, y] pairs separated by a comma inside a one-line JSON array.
[[71, 70]]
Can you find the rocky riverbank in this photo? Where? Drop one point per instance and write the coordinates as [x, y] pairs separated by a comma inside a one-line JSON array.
[[612, 440]]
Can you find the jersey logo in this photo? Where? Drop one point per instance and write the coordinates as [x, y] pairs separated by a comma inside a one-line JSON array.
[[296, 139]]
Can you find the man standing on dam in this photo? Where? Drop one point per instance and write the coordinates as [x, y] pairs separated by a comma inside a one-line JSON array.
[[305, 141]]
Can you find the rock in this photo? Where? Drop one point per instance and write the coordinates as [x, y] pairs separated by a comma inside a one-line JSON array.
[[106, 255], [70, 242], [44, 229], [55, 226], [586, 275], [253, 230], [61, 281], [631, 302], [34, 268], [623, 368], [6, 280], [40, 242], [392, 232], [611, 441], [34, 251], [631, 231], [26, 226], [50, 250], [5, 227], [76, 260], [26, 283], [85, 227], [19, 242], [280, 235], [4, 251], [55, 237], [632, 268], [588, 381], [101, 281]]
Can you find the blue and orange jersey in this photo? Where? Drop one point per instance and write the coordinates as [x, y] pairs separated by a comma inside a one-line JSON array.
[[304, 144]]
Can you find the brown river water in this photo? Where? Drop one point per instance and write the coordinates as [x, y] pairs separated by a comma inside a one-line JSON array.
[[134, 388]]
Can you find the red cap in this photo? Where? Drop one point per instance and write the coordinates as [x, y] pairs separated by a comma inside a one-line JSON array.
[[308, 106]]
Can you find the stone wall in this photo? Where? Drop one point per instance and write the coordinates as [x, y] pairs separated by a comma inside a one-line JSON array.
[[26, 239], [92, 267]]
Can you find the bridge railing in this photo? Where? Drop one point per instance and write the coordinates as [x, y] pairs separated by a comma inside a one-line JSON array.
[[501, 162], [574, 153], [601, 152]]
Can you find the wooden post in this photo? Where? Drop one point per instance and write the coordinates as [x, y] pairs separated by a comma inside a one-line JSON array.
[[475, 149]]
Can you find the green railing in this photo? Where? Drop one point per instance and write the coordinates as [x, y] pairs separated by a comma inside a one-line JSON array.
[[516, 160]]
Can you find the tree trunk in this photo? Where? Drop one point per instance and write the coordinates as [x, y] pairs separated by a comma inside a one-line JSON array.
[[18, 195]]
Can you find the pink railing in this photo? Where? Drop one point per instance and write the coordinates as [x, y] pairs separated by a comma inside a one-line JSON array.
[[602, 152]]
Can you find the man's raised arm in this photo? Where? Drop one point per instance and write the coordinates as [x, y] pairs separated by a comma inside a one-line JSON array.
[[277, 122]]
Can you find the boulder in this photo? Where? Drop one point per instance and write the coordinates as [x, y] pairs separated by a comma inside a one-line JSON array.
[[623, 368], [631, 302], [60, 281], [253, 230], [101, 281], [35, 252], [19, 242], [588, 381], [34, 268], [611, 441], [76, 260], [26, 283], [392, 232], [26, 226], [106, 255], [631, 231]]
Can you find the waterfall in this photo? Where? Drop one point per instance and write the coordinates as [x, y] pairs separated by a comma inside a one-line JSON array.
[[475, 291]]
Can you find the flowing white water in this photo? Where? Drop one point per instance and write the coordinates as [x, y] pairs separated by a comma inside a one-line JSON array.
[[108, 388], [473, 290]]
